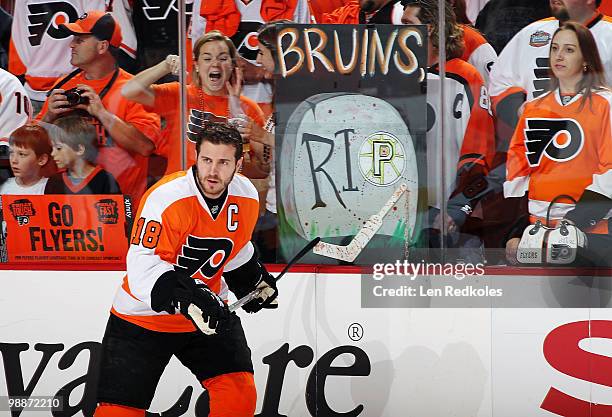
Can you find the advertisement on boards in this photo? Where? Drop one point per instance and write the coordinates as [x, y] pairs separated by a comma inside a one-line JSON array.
[[322, 354], [68, 228]]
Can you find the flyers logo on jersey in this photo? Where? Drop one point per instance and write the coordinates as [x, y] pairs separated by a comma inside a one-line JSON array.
[[246, 40], [46, 18], [206, 255], [160, 9], [559, 139]]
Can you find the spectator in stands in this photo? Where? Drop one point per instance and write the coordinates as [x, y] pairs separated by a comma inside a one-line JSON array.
[[14, 107], [240, 20], [266, 230], [477, 50], [157, 31], [5, 37], [74, 142], [366, 11], [468, 133], [126, 132], [320, 7], [521, 71], [500, 20], [562, 147], [30, 156], [39, 52], [459, 7], [213, 94]]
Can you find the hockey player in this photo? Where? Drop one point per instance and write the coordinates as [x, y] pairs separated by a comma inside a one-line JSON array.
[[468, 134], [562, 147], [193, 226]]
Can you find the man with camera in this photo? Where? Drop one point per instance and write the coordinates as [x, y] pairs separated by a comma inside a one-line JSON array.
[[126, 133]]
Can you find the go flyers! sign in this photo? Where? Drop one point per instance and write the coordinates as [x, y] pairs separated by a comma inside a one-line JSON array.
[[70, 228]]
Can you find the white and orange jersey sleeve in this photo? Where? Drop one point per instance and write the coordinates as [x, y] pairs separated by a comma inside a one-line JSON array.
[[155, 236], [478, 52], [15, 108]]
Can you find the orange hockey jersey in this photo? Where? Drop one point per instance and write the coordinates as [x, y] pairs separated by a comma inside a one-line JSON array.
[[478, 51], [561, 149], [175, 230]]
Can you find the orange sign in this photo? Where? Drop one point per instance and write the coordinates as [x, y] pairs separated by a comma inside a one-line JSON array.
[[67, 228]]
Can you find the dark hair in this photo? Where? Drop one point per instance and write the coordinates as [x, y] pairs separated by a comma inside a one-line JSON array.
[[598, 3], [219, 133], [213, 35], [268, 34], [75, 131], [429, 15], [459, 8], [593, 77], [32, 136]]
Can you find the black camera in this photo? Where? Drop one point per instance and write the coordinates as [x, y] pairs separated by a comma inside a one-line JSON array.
[[74, 96]]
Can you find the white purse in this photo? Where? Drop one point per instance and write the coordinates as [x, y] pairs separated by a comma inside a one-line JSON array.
[[541, 244]]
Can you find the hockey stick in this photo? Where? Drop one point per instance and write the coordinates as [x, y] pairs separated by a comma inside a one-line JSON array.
[[350, 252], [255, 293]]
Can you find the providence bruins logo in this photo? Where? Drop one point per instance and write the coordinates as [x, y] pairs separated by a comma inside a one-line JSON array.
[[206, 255], [46, 18], [557, 139]]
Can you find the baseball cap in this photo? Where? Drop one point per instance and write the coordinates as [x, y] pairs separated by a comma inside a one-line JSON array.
[[100, 24]]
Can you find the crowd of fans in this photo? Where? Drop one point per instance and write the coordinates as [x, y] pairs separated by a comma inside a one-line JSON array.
[[532, 142]]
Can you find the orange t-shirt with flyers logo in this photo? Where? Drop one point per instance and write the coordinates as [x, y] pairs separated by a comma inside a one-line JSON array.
[[167, 105], [128, 168]]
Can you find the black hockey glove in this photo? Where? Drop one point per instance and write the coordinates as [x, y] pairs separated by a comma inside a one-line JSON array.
[[250, 276], [268, 296], [193, 299]]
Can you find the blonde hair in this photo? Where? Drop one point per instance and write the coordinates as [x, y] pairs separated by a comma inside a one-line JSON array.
[[213, 35]]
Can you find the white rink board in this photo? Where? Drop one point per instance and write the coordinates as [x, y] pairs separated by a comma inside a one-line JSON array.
[[422, 362]]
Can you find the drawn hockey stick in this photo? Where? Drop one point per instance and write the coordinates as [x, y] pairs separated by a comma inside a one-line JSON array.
[[350, 252], [255, 293]]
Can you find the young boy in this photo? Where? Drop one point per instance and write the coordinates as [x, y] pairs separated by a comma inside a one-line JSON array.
[[30, 157], [75, 151]]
